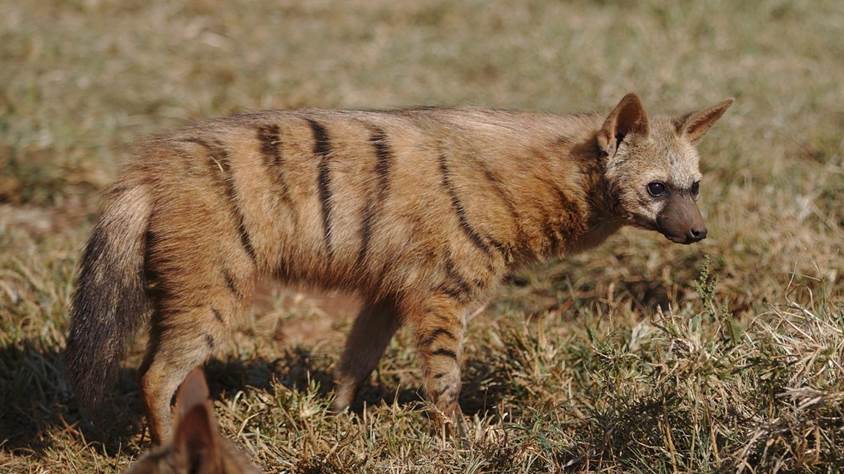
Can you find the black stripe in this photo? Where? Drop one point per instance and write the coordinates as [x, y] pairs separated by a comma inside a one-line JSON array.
[[502, 248], [217, 315], [270, 138], [444, 318], [548, 228], [498, 187], [220, 167], [209, 340], [453, 293], [561, 196], [573, 222], [384, 159], [552, 234], [470, 232], [445, 353], [322, 148], [434, 335], [576, 222], [231, 285], [439, 375], [458, 208], [458, 280]]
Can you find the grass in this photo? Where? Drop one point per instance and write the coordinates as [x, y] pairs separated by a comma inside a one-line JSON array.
[[637, 356]]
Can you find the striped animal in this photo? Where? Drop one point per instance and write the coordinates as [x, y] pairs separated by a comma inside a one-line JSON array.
[[421, 211]]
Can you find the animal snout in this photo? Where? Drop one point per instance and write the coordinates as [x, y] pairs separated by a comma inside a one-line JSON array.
[[696, 234]]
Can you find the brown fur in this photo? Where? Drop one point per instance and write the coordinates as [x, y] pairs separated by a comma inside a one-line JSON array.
[[421, 211], [197, 447]]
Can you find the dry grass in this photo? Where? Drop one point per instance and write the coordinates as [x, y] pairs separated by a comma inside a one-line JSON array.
[[638, 356]]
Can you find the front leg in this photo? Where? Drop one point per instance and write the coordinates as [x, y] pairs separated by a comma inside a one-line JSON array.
[[369, 337], [439, 342]]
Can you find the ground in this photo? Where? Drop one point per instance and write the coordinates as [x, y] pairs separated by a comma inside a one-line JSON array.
[[640, 355]]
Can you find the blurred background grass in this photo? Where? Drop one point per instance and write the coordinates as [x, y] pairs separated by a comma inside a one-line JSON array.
[[639, 355]]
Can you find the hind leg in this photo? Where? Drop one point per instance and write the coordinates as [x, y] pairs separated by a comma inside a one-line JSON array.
[[169, 360], [371, 332], [193, 311]]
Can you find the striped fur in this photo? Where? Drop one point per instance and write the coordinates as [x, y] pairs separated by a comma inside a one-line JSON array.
[[421, 211]]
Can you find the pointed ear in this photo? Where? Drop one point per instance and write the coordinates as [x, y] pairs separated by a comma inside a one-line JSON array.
[[627, 117], [695, 124], [193, 391], [196, 440]]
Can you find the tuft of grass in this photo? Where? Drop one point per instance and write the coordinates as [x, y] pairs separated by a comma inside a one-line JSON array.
[[636, 356]]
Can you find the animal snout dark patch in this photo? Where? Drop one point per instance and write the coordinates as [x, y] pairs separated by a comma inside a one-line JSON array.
[[681, 221]]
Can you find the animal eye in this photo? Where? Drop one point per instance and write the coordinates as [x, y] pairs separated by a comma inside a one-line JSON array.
[[695, 188], [656, 189]]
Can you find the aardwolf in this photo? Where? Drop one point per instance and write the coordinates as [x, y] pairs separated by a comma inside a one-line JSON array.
[[421, 211]]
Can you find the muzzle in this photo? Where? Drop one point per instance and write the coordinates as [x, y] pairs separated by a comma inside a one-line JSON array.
[[680, 220]]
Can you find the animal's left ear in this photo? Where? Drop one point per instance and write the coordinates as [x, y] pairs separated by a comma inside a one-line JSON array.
[[695, 124]]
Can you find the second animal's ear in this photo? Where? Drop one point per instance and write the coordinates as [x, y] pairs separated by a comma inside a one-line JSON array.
[[695, 124], [195, 442], [193, 391], [628, 117]]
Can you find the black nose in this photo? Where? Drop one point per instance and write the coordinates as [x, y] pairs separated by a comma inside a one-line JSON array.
[[696, 235]]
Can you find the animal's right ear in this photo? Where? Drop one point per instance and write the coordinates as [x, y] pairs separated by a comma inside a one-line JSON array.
[[195, 443], [193, 391], [627, 117]]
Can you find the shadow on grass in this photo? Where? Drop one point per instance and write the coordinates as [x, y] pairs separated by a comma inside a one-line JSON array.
[[30, 395], [36, 401], [381, 394], [639, 294], [295, 370], [481, 391], [298, 367]]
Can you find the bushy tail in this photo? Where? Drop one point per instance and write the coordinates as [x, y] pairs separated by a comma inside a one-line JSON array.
[[109, 302]]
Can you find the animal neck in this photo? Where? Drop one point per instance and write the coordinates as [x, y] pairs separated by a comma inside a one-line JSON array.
[[567, 204]]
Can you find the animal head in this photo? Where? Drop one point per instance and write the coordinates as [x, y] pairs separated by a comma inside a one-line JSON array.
[[197, 447], [652, 166]]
